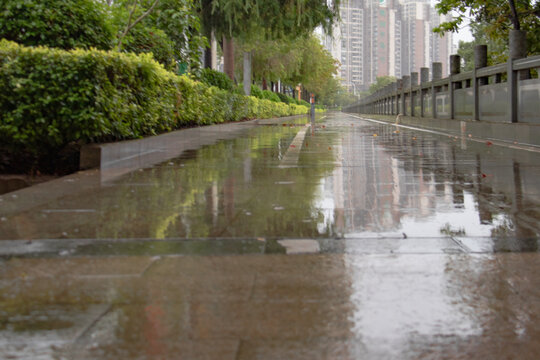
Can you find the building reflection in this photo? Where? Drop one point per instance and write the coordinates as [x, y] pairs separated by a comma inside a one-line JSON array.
[[401, 183]]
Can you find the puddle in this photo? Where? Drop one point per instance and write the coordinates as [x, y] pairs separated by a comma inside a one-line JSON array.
[[339, 181]]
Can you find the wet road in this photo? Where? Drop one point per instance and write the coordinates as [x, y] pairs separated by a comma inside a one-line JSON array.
[[347, 239]]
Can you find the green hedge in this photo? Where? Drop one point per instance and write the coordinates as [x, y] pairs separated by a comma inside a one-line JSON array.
[[303, 103], [216, 78], [270, 95], [52, 98], [256, 91], [286, 98]]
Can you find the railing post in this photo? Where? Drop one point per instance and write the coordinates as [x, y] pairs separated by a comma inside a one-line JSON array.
[[399, 96], [388, 90], [436, 75], [386, 102], [518, 50], [455, 68], [480, 61], [406, 83], [414, 82], [424, 78], [394, 98]]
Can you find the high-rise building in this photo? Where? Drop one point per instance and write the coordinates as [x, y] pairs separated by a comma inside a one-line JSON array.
[[388, 40], [386, 37], [347, 44]]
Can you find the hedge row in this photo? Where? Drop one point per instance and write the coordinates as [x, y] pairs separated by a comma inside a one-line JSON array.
[[52, 98]]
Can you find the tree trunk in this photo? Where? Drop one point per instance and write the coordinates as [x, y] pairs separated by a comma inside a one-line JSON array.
[[515, 17], [228, 57], [264, 84], [210, 53], [213, 49], [247, 73], [207, 58]]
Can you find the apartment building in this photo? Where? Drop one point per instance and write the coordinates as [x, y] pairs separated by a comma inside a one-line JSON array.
[[386, 37]]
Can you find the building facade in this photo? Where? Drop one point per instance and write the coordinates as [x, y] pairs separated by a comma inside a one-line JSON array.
[[386, 37]]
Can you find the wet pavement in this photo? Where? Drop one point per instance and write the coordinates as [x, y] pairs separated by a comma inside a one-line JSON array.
[[347, 239]]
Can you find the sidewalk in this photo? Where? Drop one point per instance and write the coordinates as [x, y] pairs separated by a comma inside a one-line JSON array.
[[333, 306], [348, 239]]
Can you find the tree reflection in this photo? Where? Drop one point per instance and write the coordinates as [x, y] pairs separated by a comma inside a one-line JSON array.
[[234, 188]]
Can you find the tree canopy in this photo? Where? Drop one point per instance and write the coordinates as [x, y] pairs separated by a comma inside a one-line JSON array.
[[381, 82], [164, 27], [497, 16], [64, 24], [280, 18], [278, 33], [245, 20], [497, 47], [302, 60]]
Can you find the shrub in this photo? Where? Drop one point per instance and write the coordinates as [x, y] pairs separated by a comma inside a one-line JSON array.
[[65, 24], [286, 99], [272, 96], [204, 105], [303, 103], [298, 109], [52, 99], [216, 78], [256, 91], [239, 89]]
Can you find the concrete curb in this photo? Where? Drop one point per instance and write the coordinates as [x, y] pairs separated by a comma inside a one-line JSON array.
[[124, 156]]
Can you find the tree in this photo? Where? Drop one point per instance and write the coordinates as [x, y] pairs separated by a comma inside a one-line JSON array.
[[293, 61], [179, 20], [280, 18], [134, 19], [334, 94], [381, 82], [317, 66], [497, 48], [164, 27], [144, 39], [497, 16], [65, 24], [343, 97], [273, 60]]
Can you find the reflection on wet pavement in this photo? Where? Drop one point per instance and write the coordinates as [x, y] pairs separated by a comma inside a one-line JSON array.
[[272, 307], [339, 182], [289, 242]]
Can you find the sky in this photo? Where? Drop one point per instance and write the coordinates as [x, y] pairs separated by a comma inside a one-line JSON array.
[[463, 34]]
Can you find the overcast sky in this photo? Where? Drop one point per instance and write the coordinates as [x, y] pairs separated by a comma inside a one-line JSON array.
[[463, 34]]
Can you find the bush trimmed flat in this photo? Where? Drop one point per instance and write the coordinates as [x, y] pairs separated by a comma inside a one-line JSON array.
[[52, 98]]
